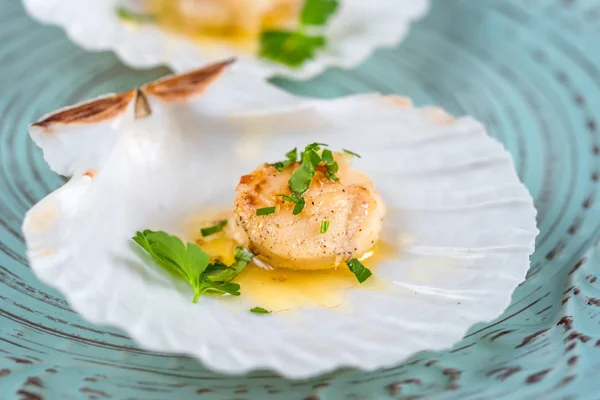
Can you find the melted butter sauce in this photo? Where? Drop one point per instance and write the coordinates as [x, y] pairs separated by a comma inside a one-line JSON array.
[[284, 289], [215, 34], [280, 289]]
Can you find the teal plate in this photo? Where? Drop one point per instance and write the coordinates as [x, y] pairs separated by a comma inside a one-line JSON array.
[[528, 69]]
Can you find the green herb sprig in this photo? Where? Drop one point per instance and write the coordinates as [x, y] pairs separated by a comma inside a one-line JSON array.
[[294, 47], [192, 264]]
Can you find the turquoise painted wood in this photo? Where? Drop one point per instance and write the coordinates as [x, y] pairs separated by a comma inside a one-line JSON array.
[[528, 69]]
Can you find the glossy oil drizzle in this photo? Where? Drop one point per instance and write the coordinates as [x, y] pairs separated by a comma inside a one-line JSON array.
[[281, 289]]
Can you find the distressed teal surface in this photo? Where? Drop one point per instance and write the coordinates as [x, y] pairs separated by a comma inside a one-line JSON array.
[[528, 69]]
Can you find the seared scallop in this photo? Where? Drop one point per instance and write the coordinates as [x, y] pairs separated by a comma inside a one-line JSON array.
[[351, 207], [230, 16]]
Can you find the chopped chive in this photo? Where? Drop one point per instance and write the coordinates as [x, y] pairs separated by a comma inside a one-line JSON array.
[[265, 211], [361, 272], [259, 310], [324, 226], [351, 153], [213, 229]]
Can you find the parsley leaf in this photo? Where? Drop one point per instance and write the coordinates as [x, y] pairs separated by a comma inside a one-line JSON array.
[[302, 177], [243, 254], [188, 262], [289, 48], [361, 272], [219, 288], [242, 258], [265, 211], [317, 12], [330, 164], [215, 267], [259, 310], [213, 229], [351, 153], [128, 15], [291, 156], [324, 226], [299, 206], [294, 47]]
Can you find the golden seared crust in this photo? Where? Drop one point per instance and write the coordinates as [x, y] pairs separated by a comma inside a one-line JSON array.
[[351, 205]]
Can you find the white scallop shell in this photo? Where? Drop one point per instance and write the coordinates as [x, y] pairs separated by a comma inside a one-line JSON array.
[[449, 187], [358, 28]]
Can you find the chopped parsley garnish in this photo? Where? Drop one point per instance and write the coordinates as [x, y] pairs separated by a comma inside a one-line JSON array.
[[314, 146], [289, 48], [291, 156], [300, 203], [132, 16], [324, 226], [265, 211], [302, 177], [259, 310], [317, 12], [294, 47], [361, 272], [192, 264], [213, 229], [330, 164], [351, 153]]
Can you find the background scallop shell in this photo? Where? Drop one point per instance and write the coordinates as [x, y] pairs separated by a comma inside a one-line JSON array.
[[355, 31], [148, 158]]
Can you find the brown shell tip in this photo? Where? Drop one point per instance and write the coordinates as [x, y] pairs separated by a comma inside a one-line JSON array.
[[90, 112], [183, 86], [142, 107], [90, 173]]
